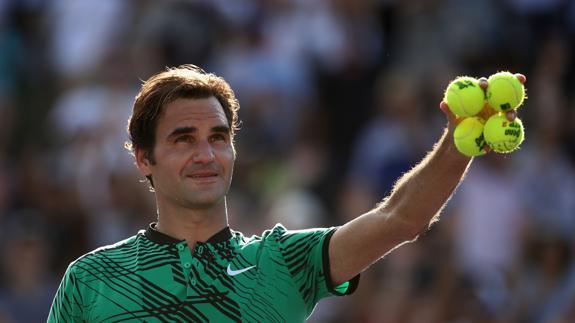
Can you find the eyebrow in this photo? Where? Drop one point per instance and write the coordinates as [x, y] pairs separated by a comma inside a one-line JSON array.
[[222, 129], [188, 130]]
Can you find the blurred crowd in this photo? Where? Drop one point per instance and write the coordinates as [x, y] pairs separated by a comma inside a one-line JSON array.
[[338, 99]]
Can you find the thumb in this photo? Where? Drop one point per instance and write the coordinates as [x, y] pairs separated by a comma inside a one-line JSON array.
[[451, 118]]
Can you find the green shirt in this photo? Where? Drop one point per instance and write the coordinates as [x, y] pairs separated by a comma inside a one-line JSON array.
[[151, 277]]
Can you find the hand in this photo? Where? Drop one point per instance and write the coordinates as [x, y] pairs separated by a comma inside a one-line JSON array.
[[454, 120], [485, 113], [487, 110]]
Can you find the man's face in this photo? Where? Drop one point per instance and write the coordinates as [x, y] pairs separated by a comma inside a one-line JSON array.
[[194, 155]]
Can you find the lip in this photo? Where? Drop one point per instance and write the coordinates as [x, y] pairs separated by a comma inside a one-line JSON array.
[[203, 176]]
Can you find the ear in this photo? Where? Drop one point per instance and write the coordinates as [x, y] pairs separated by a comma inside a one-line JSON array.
[[143, 162]]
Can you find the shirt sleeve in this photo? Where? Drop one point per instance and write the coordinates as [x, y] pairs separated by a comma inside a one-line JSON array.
[[67, 304], [306, 255]]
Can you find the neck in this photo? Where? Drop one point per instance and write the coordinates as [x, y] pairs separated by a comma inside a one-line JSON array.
[[192, 225]]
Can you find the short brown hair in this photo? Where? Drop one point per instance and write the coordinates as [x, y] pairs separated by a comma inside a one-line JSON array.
[[186, 81]]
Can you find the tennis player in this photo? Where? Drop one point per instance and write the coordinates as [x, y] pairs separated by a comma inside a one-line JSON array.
[[190, 266]]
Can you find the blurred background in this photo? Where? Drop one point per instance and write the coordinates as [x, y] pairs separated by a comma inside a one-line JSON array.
[[338, 99]]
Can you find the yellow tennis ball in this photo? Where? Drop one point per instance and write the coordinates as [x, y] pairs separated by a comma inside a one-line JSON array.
[[464, 96], [468, 137], [504, 91], [502, 135]]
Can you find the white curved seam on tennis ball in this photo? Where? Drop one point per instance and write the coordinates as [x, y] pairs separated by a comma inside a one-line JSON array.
[[518, 91], [464, 108], [458, 99], [469, 132], [513, 87], [502, 142], [502, 147], [514, 90]]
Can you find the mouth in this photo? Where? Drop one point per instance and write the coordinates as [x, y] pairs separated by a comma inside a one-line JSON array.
[[203, 177]]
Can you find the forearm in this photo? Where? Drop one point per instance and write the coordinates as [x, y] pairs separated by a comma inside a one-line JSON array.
[[419, 195], [416, 200]]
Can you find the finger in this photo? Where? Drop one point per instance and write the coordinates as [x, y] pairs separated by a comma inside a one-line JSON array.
[[511, 115], [487, 148], [451, 118], [483, 83], [444, 107], [486, 112], [521, 78]]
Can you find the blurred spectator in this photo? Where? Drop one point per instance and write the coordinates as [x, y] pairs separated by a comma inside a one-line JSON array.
[[295, 201], [5, 190], [347, 67], [89, 122], [488, 231], [266, 64], [549, 197], [171, 33], [547, 285], [82, 32], [376, 164], [27, 287]]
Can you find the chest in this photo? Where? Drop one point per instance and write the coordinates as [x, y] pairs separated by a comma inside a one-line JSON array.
[[212, 285]]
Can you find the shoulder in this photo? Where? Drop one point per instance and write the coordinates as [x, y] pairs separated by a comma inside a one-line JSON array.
[[120, 250], [281, 235]]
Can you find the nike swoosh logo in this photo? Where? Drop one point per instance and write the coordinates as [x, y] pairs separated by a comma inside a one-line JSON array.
[[232, 272]]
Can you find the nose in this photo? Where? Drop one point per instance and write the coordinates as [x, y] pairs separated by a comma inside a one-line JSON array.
[[203, 153]]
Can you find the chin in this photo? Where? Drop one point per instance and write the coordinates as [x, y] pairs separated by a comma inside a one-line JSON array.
[[205, 201]]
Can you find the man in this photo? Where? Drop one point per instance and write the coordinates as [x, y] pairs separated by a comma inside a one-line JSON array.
[[190, 266]]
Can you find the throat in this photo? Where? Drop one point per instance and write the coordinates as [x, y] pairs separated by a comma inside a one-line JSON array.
[[192, 224]]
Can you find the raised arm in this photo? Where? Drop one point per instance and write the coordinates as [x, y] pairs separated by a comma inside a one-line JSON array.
[[415, 202]]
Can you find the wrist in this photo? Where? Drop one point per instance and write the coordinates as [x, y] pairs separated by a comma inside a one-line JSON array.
[[448, 146]]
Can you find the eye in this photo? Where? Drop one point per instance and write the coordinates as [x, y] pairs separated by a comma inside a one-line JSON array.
[[218, 137], [183, 138]]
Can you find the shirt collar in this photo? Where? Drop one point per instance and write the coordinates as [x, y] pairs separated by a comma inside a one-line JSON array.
[[158, 237]]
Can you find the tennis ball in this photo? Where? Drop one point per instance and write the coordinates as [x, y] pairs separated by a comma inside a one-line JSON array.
[[464, 96], [504, 91], [502, 135], [468, 137]]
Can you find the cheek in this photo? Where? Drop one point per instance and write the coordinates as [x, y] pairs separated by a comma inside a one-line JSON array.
[[172, 159], [227, 158]]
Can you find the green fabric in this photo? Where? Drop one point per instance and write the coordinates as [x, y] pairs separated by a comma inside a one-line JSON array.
[[342, 289], [139, 280]]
